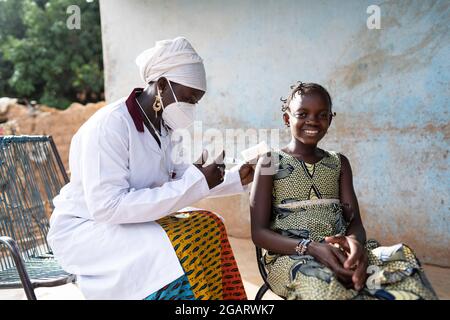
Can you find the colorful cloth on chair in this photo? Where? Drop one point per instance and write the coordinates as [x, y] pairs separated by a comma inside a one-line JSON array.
[[306, 205], [201, 244]]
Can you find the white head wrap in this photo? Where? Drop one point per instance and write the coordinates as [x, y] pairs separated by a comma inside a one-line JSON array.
[[175, 60]]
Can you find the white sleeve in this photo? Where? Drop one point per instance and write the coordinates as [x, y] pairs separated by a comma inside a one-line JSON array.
[[231, 184], [105, 176]]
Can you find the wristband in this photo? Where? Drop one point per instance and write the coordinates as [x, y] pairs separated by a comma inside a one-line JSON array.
[[302, 246]]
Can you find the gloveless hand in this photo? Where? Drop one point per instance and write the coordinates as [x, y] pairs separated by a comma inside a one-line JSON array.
[[246, 173], [356, 260], [332, 258], [214, 172]]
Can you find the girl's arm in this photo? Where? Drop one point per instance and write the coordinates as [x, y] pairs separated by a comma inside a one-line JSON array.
[[261, 210], [350, 203]]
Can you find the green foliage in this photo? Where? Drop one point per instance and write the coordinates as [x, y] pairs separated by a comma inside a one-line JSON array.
[[42, 59]]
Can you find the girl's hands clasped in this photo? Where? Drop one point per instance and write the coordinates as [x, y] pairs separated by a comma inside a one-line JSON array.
[[334, 259], [356, 259]]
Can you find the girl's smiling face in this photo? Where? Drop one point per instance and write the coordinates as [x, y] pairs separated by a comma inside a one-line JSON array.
[[309, 118]]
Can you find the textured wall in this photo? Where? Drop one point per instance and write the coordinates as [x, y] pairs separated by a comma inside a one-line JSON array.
[[390, 87], [60, 124]]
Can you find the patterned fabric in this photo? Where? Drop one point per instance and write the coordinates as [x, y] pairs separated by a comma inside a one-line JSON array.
[[395, 271], [321, 181], [201, 244], [180, 289]]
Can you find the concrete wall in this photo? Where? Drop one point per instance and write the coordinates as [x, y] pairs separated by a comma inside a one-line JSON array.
[[390, 89]]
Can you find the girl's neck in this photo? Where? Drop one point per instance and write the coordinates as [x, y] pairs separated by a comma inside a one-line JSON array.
[[297, 148]]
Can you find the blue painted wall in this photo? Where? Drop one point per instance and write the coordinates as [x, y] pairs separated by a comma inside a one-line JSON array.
[[390, 89]]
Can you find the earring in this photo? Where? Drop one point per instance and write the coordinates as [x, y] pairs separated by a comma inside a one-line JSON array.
[[287, 124], [157, 105]]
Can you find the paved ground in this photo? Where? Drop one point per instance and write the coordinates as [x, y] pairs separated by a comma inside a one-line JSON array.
[[246, 259]]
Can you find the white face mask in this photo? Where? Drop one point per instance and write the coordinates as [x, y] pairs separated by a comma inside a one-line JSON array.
[[178, 115]]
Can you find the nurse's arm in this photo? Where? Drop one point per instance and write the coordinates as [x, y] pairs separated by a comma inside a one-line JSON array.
[[231, 184], [105, 176]]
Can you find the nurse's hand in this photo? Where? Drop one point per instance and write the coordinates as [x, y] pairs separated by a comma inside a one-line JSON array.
[[246, 172], [214, 172]]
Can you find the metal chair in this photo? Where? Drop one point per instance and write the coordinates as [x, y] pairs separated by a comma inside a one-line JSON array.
[[262, 272], [31, 175]]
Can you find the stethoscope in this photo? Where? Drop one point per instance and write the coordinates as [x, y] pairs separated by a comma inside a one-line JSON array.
[[163, 146]]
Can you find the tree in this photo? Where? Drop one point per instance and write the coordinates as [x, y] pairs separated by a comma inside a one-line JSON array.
[[11, 15], [51, 63]]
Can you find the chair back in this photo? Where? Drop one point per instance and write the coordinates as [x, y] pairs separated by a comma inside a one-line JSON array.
[[31, 175]]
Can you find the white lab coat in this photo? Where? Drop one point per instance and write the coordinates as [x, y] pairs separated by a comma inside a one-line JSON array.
[[103, 227]]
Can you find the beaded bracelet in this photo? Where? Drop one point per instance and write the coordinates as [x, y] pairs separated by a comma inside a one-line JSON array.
[[302, 246]]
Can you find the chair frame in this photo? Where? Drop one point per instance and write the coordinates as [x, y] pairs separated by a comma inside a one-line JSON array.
[[263, 272], [28, 284]]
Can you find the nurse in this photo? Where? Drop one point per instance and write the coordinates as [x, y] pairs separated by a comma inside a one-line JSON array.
[[114, 224]]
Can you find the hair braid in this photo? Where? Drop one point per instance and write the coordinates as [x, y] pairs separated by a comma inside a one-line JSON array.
[[303, 88]]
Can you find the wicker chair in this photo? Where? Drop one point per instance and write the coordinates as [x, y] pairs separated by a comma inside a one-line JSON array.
[[31, 175]]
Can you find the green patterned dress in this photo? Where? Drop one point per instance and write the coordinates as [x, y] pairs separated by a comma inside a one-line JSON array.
[[305, 204]]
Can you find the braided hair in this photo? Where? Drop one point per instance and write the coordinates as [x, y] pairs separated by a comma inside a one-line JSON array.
[[303, 88]]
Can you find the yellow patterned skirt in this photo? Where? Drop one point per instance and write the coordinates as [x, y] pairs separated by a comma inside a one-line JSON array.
[[202, 247]]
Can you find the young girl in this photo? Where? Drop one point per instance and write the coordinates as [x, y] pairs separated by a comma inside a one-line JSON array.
[[305, 214]]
